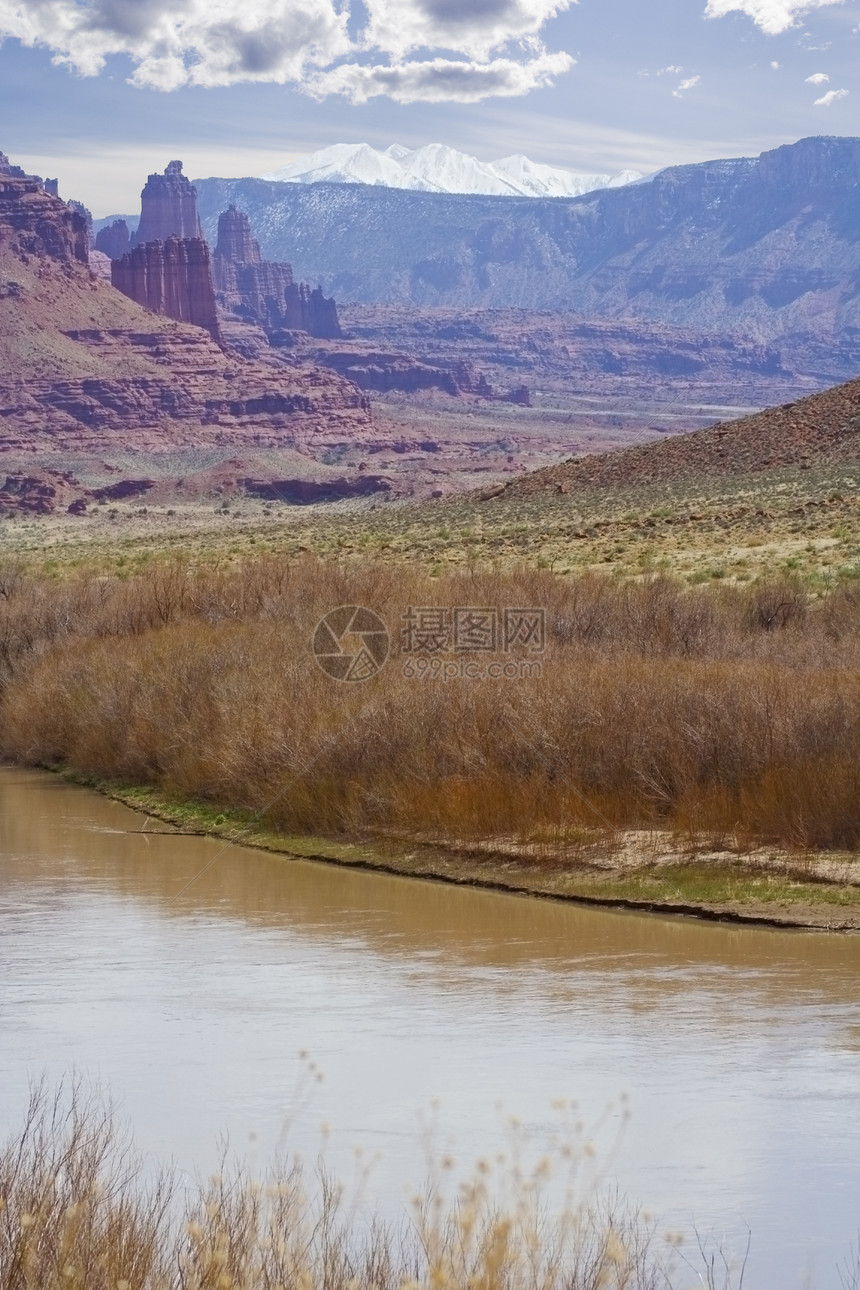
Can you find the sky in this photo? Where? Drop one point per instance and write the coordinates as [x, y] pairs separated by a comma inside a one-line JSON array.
[[101, 92]]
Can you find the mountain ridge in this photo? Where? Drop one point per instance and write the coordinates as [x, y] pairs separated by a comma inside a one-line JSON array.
[[768, 247], [439, 168]]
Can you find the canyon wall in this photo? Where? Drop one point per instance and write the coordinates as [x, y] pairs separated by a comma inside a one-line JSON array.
[[173, 278], [766, 246]]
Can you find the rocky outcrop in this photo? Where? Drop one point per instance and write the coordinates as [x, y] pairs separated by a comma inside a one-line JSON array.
[[35, 222], [114, 241], [306, 491], [236, 243], [173, 278], [471, 382], [122, 490], [168, 207], [27, 495], [309, 310], [83, 366], [264, 291]]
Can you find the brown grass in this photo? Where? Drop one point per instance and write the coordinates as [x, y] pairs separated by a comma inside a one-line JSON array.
[[78, 1211], [724, 710]]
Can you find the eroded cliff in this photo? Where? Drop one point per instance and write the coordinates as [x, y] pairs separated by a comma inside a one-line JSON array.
[[82, 365], [173, 277]]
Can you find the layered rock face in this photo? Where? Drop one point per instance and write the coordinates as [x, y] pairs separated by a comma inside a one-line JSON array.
[[766, 246], [246, 285], [114, 241], [383, 372], [173, 277], [309, 310], [168, 207], [264, 291], [83, 366], [34, 222]]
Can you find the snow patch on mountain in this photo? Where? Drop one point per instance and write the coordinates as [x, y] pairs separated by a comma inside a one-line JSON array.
[[437, 168]]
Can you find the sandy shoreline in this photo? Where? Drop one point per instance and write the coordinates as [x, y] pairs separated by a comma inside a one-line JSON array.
[[818, 892]]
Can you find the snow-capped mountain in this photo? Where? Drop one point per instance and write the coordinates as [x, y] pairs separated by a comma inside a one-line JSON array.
[[439, 169]]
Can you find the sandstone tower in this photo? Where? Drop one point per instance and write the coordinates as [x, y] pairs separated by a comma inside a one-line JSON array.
[[168, 207]]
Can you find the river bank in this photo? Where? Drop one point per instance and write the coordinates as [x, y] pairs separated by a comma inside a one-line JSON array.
[[645, 872], [642, 745]]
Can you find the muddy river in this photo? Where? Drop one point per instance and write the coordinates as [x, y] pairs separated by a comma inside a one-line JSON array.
[[384, 1022]]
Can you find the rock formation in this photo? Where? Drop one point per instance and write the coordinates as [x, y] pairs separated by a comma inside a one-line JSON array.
[[246, 285], [173, 278], [306, 491], [82, 366], [34, 222], [236, 243], [309, 310], [264, 291], [168, 207], [114, 241]]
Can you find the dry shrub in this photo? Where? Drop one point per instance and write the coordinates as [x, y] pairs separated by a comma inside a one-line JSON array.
[[77, 1213], [735, 711]]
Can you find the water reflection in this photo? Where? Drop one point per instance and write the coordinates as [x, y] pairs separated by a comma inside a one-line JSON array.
[[739, 1048]]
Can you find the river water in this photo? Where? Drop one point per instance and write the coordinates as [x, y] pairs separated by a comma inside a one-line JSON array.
[[298, 1005]]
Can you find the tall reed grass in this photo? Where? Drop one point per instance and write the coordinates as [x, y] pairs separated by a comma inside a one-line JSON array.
[[732, 711], [80, 1211]]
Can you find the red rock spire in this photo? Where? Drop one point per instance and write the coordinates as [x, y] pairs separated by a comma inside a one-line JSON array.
[[168, 207]]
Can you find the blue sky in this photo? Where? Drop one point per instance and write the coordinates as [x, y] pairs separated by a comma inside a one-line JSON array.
[[100, 92]]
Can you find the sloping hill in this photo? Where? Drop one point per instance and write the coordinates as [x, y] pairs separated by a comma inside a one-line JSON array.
[[818, 431]]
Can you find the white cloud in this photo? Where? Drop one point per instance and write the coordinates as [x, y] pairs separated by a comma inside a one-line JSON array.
[[476, 28], [671, 70], [441, 80], [306, 43], [819, 78], [772, 16], [690, 83], [830, 97], [775, 66], [185, 42]]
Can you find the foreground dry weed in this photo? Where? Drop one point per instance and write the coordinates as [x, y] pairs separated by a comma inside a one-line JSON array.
[[726, 711], [78, 1213]]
